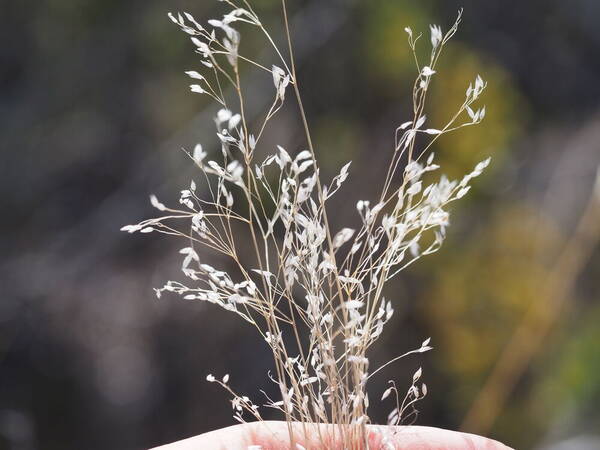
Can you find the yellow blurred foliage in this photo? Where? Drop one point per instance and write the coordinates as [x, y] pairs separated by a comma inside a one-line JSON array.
[[506, 111], [482, 286]]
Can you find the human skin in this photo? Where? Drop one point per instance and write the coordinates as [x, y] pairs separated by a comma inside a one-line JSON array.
[[275, 436]]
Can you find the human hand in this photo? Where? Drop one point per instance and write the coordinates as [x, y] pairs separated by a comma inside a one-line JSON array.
[[274, 436]]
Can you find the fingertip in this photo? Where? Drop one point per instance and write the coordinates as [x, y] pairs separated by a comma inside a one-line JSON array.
[[430, 438]]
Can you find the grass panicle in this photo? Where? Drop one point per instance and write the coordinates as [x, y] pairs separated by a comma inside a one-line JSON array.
[[315, 295]]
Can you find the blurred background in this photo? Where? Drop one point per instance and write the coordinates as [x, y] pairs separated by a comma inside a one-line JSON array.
[[94, 109]]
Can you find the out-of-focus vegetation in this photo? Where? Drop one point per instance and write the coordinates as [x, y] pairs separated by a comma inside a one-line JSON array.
[[94, 107]]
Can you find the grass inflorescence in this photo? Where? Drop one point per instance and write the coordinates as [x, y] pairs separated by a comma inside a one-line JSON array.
[[316, 295]]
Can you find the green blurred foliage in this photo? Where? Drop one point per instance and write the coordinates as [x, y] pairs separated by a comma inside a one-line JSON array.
[[386, 56], [568, 371], [506, 115], [391, 68]]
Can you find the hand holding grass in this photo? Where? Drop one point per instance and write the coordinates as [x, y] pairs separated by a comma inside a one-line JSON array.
[[275, 436]]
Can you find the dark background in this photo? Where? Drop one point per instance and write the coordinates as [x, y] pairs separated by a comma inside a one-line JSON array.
[[94, 108]]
